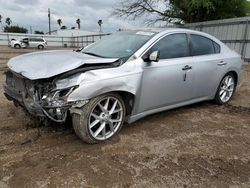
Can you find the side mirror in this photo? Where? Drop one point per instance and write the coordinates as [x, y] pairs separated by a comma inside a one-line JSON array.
[[154, 56]]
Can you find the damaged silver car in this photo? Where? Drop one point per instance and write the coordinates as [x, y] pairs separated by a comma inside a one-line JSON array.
[[123, 77]]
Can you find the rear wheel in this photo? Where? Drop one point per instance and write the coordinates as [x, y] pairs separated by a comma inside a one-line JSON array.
[[100, 119], [17, 46], [226, 89], [40, 47]]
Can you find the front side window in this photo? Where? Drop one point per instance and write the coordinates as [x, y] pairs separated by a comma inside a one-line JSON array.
[[201, 45], [172, 46]]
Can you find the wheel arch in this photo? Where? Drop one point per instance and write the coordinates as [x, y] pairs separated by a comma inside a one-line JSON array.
[[17, 44], [223, 75], [235, 74], [128, 99], [217, 99]]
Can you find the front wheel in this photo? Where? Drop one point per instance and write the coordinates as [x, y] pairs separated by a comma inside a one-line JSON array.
[[17, 46], [226, 89], [100, 119]]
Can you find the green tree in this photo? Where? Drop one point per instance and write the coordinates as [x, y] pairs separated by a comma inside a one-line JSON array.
[[181, 11], [78, 22], [39, 32], [8, 21], [64, 27], [248, 7], [59, 22], [15, 29]]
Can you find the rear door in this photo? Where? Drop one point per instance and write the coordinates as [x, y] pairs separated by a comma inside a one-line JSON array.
[[208, 65], [33, 42], [169, 81]]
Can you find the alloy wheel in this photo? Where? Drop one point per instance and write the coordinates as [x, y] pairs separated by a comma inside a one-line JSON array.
[[105, 118], [227, 88]]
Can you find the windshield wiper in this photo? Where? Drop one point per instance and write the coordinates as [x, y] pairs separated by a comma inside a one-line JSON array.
[[93, 54]]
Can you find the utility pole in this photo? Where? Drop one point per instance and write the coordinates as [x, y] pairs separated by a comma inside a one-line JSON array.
[[30, 30], [49, 21]]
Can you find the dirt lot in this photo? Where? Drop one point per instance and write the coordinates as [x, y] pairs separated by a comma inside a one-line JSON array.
[[202, 145]]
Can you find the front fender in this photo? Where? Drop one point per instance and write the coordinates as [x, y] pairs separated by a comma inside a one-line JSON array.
[[88, 90]]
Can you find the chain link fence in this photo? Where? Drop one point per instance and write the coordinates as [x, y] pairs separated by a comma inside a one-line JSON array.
[[54, 41]]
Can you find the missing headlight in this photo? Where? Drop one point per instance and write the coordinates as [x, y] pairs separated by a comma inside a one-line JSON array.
[[55, 105], [57, 98]]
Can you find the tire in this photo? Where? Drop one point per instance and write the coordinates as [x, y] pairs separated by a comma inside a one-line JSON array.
[[226, 89], [18, 46], [94, 119], [40, 47]]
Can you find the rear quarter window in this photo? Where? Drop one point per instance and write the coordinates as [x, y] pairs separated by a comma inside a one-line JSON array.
[[201, 45], [216, 48]]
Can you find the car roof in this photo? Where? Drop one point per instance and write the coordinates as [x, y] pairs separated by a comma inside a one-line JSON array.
[[162, 31], [165, 30]]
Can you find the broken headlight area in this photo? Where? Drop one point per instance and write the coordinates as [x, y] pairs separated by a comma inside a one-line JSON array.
[[41, 98], [55, 105]]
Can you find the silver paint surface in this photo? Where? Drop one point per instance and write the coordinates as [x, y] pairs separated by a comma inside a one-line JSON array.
[[157, 86], [46, 64]]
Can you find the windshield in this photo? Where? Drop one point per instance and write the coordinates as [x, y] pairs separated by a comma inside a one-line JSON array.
[[119, 45]]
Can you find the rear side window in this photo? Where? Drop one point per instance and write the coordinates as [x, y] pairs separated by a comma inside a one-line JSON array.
[[172, 46], [40, 40], [201, 45]]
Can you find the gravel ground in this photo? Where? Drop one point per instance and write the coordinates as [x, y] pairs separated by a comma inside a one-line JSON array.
[[202, 145]]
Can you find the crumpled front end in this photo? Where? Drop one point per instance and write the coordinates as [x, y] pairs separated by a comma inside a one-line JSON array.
[[39, 98], [58, 96]]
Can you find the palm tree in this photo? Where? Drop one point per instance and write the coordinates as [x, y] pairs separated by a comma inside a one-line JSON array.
[[8, 21], [59, 22], [78, 21], [100, 22]]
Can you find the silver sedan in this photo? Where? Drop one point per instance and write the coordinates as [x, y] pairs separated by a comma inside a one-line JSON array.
[[123, 77]]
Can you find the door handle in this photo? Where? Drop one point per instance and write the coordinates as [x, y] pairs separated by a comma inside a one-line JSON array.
[[187, 67], [221, 63]]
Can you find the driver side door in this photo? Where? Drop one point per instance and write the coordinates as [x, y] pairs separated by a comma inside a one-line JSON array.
[[170, 80]]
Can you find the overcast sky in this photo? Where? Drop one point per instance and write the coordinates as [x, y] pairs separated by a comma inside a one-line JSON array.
[[34, 13]]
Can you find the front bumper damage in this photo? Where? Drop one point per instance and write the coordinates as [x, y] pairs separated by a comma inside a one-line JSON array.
[[26, 93]]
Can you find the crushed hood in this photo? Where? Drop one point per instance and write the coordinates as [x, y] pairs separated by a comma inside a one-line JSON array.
[[40, 65]]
